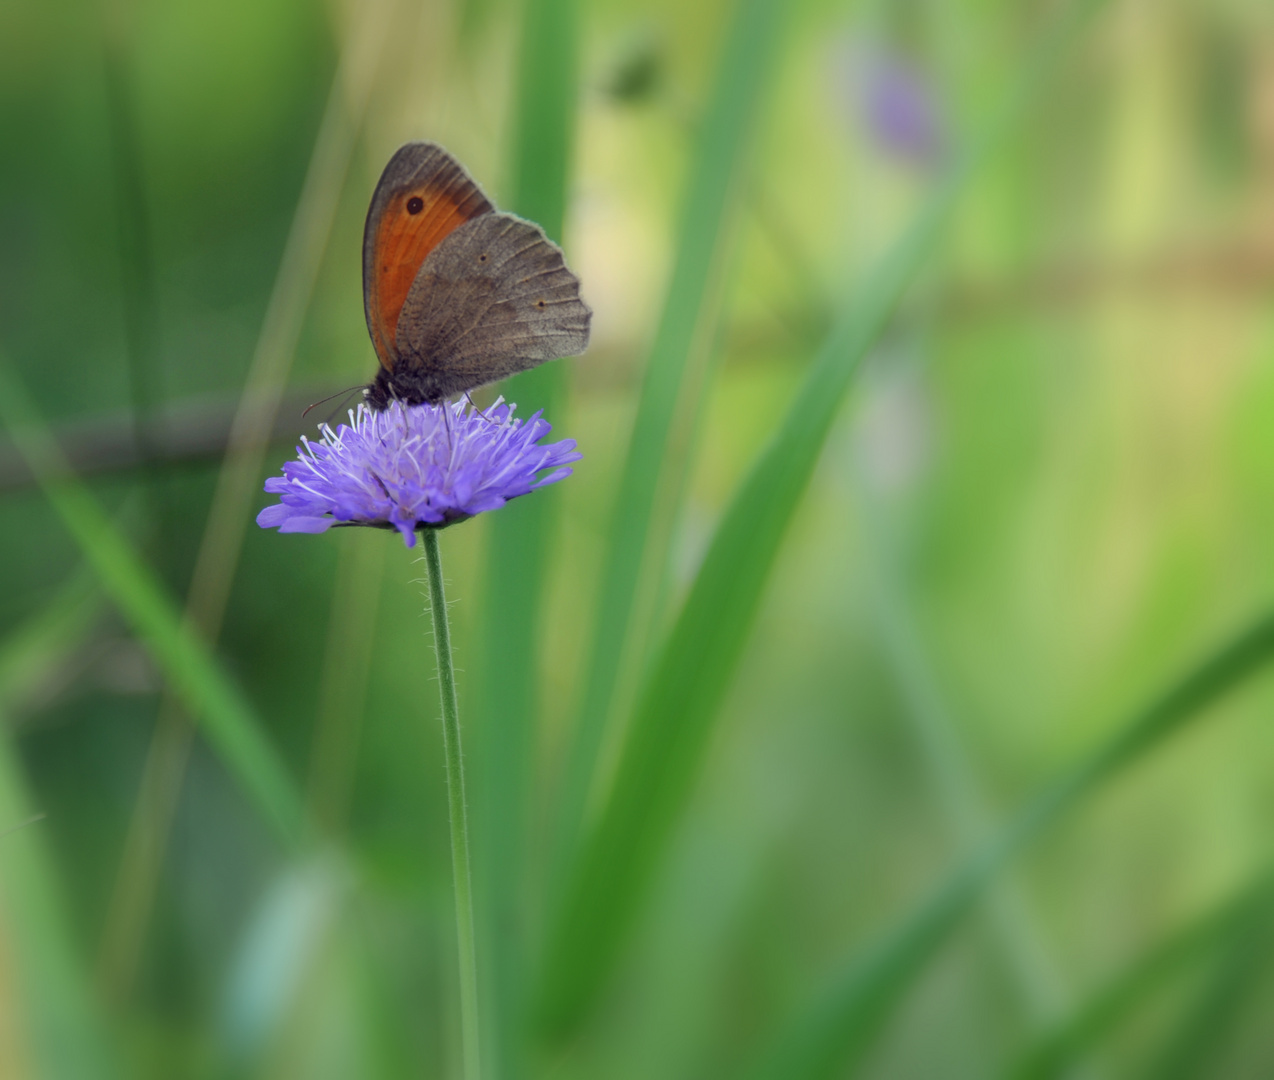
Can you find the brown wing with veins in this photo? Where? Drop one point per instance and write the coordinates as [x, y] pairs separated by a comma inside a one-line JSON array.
[[494, 299]]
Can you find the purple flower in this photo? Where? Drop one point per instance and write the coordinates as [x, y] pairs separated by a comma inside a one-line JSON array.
[[901, 111], [413, 466], [896, 101]]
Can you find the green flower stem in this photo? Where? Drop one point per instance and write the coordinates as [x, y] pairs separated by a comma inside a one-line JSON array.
[[456, 803]]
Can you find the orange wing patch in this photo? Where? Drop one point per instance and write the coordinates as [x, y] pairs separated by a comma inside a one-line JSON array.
[[413, 223]]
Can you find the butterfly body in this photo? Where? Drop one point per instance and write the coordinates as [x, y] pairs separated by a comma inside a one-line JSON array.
[[456, 293]]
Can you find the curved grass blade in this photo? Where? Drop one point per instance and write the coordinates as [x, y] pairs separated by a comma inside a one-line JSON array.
[[238, 484], [675, 712], [1224, 926], [682, 342], [347, 668], [34, 652], [934, 731], [68, 1037], [832, 1035], [136, 252], [226, 717], [517, 556], [1198, 1036], [284, 938]]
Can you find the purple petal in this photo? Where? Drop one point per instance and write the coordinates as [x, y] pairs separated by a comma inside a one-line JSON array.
[[306, 525]]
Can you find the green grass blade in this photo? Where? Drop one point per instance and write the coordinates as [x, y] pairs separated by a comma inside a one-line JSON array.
[[238, 485], [544, 131], [137, 261], [518, 542], [1197, 1037], [833, 1033], [935, 732], [68, 1038], [347, 669], [227, 719], [279, 951], [1057, 1049], [67, 1035], [29, 656], [683, 337], [674, 715]]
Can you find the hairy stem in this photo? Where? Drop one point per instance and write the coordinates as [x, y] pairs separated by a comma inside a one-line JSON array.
[[456, 802]]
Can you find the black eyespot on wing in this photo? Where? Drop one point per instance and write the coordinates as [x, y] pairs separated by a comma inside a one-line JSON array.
[[415, 204], [482, 257]]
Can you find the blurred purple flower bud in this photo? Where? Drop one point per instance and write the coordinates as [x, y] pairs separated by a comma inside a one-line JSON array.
[[895, 103], [900, 111]]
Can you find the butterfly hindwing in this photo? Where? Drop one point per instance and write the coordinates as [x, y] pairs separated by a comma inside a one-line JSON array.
[[493, 298], [422, 197]]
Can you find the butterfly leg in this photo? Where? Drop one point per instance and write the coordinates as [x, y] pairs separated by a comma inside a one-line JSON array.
[[474, 406]]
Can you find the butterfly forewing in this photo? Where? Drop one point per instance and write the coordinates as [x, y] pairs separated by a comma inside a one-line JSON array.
[[494, 298], [423, 196]]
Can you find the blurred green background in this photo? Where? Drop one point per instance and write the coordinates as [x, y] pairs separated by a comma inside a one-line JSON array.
[[937, 748]]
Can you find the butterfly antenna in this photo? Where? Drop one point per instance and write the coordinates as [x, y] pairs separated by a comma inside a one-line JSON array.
[[330, 397]]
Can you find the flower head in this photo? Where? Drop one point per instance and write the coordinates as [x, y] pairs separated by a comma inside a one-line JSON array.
[[901, 111], [413, 466], [894, 100]]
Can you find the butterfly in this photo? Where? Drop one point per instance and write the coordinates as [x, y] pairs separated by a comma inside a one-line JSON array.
[[458, 294]]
